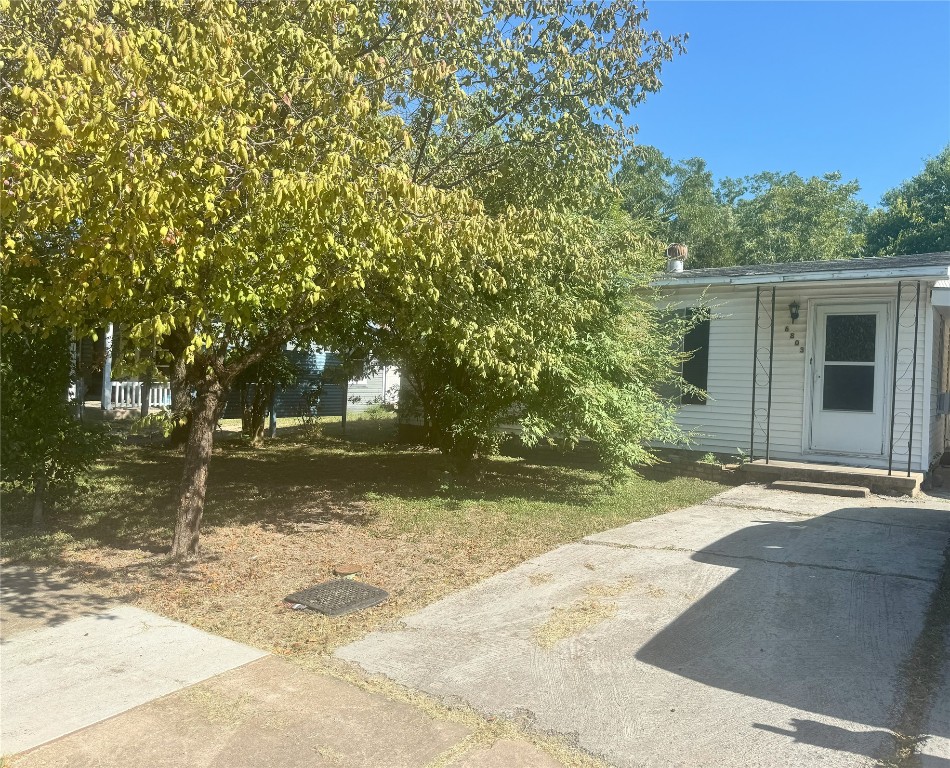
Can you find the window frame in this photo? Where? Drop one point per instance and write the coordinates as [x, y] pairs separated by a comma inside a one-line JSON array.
[[702, 324]]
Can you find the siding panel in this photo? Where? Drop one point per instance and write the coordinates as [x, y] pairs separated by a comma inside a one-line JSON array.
[[723, 423]]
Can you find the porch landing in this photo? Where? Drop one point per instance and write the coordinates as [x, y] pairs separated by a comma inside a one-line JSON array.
[[875, 480]]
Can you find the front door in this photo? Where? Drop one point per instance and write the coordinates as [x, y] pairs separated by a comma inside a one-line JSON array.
[[848, 383]]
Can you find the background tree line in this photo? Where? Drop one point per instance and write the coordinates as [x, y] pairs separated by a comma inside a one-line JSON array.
[[774, 217]]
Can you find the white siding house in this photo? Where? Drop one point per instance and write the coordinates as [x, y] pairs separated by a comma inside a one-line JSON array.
[[856, 379]]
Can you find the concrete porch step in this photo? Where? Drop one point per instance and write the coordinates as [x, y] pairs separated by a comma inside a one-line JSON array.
[[827, 489], [875, 480]]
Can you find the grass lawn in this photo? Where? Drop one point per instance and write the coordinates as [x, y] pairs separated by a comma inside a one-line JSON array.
[[280, 517]]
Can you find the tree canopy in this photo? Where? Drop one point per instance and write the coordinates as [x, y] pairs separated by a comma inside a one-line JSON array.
[[763, 218], [784, 217], [220, 176], [680, 200], [224, 175], [915, 216], [558, 335], [213, 161]]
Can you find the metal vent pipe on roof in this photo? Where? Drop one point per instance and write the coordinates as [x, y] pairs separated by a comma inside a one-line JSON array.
[[675, 257]]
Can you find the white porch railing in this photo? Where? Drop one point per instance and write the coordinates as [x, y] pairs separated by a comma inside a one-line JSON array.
[[128, 394]]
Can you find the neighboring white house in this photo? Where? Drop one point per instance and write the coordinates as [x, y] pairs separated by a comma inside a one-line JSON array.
[[850, 368]]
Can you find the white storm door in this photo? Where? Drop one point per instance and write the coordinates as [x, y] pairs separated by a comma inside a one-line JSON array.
[[848, 403]]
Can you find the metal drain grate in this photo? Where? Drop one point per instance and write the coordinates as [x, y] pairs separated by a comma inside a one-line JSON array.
[[334, 598]]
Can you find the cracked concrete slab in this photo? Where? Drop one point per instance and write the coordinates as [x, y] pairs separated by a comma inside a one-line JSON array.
[[935, 749], [851, 538], [268, 713], [734, 636], [60, 678], [506, 754]]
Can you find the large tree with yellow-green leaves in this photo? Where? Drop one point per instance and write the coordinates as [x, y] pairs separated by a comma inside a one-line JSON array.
[[559, 336], [553, 328], [222, 175]]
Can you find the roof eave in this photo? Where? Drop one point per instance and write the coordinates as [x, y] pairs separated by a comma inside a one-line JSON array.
[[920, 273]]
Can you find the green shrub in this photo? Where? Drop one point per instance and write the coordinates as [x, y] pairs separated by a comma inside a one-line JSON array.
[[43, 449]]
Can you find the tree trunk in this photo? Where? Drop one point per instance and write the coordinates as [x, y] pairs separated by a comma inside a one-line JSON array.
[[246, 416], [261, 411], [39, 494], [254, 412], [272, 413], [181, 401], [194, 478], [146, 392], [258, 413]]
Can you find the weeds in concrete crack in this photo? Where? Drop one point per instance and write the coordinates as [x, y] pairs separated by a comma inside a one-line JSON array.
[[921, 675], [487, 729]]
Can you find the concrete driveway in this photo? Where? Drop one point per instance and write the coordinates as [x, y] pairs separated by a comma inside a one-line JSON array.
[[762, 628], [88, 682]]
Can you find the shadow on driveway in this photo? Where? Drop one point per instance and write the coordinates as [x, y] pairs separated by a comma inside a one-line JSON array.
[[834, 609]]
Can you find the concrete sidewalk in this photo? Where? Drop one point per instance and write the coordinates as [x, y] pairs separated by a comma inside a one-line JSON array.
[[86, 682], [69, 659], [762, 628]]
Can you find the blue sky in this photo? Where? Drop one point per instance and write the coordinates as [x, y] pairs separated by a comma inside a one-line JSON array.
[[857, 87]]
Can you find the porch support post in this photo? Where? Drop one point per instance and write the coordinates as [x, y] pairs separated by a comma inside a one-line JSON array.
[[768, 411], [272, 431], [913, 381], [74, 387], [755, 353], [106, 398], [897, 331]]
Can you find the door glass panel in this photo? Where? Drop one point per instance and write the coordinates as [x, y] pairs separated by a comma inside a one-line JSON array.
[[850, 338], [848, 388]]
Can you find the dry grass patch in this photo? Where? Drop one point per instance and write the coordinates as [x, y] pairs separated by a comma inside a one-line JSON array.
[[217, 708], [611, 590], [279, 518], [571, 620]]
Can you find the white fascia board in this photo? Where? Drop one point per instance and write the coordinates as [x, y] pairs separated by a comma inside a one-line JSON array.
[[922, 273], [941, 296]]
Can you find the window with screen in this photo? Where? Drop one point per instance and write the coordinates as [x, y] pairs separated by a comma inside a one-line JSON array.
[[696, 368], [850, 347]]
